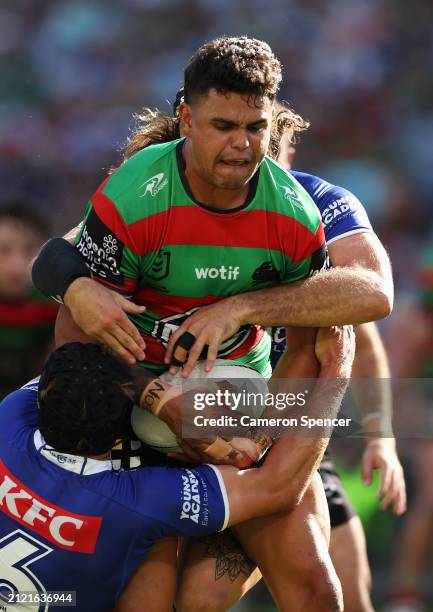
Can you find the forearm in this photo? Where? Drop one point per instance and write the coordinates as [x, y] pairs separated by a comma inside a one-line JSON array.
[[371, 383], [338, 296], [293, 459]]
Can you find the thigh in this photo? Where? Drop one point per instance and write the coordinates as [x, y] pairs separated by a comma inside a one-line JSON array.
[[153, 585], [291, 550], [214, 573], [349, 555]]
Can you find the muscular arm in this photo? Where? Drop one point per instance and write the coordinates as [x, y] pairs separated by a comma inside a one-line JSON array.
[[281, 481], [358, 289]]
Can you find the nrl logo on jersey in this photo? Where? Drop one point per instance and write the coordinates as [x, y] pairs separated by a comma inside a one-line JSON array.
[[154, 185], [291, 195]]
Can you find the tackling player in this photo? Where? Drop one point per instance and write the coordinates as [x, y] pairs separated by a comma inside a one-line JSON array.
[[68, 523], [219, 163], [344, 220]]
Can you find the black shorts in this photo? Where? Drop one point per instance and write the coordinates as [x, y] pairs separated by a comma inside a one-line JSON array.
[[340, 507]]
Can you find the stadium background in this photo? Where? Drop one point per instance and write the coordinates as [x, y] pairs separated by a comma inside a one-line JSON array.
[[72, 74]]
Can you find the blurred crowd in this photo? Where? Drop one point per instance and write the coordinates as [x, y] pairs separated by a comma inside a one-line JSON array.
[[74, 72]]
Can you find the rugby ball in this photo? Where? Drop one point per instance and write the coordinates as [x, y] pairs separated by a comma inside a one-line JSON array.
[[155, 433]]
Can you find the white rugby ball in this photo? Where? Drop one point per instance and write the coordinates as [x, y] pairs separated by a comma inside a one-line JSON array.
[[155, 433]]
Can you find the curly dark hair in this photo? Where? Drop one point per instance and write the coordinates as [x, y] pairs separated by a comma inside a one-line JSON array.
[[84, 398], [285, 124], [151, 127], [241, 65]]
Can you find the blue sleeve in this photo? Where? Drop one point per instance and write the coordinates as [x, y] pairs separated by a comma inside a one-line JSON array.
[[18, 412], [181, 501], [342, 214], [341, 211]]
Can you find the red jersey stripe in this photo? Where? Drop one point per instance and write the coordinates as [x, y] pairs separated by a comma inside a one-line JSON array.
[[192, 225], [155, 351]]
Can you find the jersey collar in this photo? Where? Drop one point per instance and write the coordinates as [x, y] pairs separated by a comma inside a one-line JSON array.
[[72, 463]]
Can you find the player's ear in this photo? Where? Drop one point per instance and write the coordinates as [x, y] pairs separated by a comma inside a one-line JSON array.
[[185, 119]]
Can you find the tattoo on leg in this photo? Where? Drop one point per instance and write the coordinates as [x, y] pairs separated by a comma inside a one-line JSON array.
[[229, 557]]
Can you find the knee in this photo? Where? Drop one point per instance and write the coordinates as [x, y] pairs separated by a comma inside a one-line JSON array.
[[324, 591]]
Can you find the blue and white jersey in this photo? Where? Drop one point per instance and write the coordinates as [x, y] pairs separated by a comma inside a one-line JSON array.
[[69, 523], [342, 215]]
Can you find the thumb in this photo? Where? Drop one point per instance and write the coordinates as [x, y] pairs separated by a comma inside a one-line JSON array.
[[128, 306], [366, 470]]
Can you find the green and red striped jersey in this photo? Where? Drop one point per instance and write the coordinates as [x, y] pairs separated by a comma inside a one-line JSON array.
[[145, 236]]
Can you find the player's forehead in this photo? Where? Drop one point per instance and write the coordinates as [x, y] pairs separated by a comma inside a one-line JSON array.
[[233, 107]]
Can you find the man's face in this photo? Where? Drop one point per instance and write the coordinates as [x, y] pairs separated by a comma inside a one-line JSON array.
[[18, 245], [228, 135]]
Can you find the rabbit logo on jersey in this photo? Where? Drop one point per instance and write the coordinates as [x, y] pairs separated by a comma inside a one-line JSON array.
[[154, 185], [191, 502]]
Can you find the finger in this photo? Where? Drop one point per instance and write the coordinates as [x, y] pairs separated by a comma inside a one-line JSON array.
[[366, 470], [114, 345], [239, 459], [385, 480], [128, 305], [132, 331], [181, 348], [128, 343], [389, 495], [212, 353], [193, 357], [189, 451], [174, 336], [400, 504]]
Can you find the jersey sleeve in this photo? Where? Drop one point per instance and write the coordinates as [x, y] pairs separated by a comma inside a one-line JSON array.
[[342, 214], [181, 501], [107, 245]]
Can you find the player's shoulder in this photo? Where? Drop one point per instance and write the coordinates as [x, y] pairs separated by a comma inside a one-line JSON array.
[[285, 195], [324, 193], [18, 412], [341, 211], [139, 185], [314, 185]]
